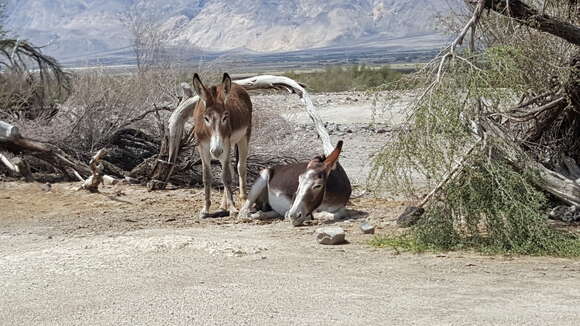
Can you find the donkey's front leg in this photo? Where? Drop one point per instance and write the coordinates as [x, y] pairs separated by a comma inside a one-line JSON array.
[[228, 200], [207, 179], [259, 190]]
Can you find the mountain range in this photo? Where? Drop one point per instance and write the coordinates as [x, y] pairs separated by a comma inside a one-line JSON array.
[[77, 28]]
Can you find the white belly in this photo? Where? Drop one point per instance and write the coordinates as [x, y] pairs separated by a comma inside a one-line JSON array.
[[279, 202]]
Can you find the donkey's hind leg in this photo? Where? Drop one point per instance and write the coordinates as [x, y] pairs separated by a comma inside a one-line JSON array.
[[243, 147], [260, 215]]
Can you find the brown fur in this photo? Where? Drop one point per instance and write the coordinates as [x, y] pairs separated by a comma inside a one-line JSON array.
[[284, 178], [238, 104]]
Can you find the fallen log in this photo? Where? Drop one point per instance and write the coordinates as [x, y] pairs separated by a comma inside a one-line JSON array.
[[562, 187], [12, 141], [18, 166]]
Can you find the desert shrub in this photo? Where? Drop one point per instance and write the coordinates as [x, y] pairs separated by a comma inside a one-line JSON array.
[[339, 78], [491, 206], [99, 105]]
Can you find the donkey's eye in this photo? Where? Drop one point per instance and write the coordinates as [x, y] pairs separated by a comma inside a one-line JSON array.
[[225, 119], [317, 187], [206, 119]]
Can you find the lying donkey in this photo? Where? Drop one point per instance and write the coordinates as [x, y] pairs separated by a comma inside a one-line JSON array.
[[297, 190]]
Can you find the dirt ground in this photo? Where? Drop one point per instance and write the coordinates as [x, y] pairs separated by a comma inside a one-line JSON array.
[[130, 257]]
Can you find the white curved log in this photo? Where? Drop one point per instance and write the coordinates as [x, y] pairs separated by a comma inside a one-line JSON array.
[[290, 85], [176, 126], [187, 90]]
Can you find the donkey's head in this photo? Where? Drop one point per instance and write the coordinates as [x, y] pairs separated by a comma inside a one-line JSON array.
[[312, 186], [216, 118]]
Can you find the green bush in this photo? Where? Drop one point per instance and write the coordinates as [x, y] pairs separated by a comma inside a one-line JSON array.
[[339, 78]]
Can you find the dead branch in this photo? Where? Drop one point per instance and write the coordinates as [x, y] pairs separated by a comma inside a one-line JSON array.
[[143, 115], [471, 24], [93, 182], [451, 174], [12, 167], [526, 15], [412, 214]]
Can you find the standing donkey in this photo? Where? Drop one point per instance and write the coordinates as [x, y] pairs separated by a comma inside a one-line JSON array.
[[222, 118]]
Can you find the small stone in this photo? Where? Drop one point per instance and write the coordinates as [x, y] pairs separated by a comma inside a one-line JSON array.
[[45, 187], [367, 228], [381, 131], [349, 131], [331, 235]]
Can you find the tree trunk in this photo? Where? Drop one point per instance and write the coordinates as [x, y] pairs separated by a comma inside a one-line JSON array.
[[529, 16]]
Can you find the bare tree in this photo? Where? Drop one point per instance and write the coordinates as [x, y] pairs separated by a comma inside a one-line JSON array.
[[147, 36]]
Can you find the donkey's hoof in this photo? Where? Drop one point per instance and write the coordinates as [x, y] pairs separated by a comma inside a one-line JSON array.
[[243, 214], [232, 210], [203, 214]]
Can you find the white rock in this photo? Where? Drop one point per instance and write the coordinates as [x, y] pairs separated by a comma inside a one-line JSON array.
[[331, 235], [367, 228]]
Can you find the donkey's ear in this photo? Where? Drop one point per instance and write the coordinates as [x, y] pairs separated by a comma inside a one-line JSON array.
[[315, 162], [332, 158], [227, 84], [199, 87]]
